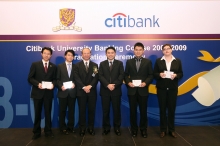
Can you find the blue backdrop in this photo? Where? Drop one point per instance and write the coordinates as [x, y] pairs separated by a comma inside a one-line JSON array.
[[16, 107]]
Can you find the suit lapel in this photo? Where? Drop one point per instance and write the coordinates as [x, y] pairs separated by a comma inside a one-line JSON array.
[[107, 65], [71, 71], [65, 69], [133, 63], [41, 65], [114, 64], [173, 65], [83, 66], [49, 67], [90, 66], [163, 64], [142, 63]]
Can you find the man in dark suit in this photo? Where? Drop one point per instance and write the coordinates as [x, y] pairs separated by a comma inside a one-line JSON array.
[[66, 92], [86, 77], [42, 94], [167, 72], [138, 76], [111, 75]]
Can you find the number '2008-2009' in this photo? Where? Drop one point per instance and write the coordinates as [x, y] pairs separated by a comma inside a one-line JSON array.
[[174, 47]]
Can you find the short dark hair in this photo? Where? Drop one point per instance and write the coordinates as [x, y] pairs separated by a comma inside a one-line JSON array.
[[70, 51], [166, 45], [139, 44], [47, 48], [110, 48]]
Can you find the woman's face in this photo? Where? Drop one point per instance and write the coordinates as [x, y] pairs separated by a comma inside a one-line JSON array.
[[167, 51]]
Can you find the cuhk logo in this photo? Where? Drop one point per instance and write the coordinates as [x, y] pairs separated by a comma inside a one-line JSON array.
[[67, 18]]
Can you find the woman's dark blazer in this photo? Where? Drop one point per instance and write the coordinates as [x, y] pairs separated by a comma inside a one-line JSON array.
[[164, 83]]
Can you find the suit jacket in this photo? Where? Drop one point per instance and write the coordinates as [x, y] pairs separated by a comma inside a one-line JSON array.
[[82, 78], [164, 83], [37, 75], [62, 76], [115, 76], [145, 74]]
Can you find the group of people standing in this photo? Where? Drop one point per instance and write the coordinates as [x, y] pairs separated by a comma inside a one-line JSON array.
[[79, 81]]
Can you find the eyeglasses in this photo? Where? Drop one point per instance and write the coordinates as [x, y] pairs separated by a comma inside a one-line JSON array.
[[164, 49]]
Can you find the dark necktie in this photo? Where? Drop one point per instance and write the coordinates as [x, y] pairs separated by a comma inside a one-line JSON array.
[[87, 68], [138, 62], [110, 65], [45, 67]]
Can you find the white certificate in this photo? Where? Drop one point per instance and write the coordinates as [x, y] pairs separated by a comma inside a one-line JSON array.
[[47, 85], [68, 85], [136, 83], [168, 74]]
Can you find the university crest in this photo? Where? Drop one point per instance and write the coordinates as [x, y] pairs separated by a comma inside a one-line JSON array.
[[67, 18]]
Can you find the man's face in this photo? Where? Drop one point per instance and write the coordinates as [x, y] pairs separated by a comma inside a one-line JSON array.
[[69, 57], [138, 51], [86, 54], [110, 54], [46, 55], [167, 51]]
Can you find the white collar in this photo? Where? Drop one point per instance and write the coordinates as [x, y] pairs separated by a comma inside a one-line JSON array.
[[173, 58], [111, 60], [45, 62], [68, 63]]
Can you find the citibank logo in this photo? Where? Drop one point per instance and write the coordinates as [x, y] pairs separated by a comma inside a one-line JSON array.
[[122, 20]]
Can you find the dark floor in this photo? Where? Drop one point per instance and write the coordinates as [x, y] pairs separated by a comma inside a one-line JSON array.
[[187, 136]]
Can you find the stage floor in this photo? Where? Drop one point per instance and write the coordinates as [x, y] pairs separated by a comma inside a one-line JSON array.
[[187, 136]]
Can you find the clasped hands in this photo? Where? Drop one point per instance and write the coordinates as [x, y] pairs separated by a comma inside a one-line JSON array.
[[111, 87], [87, 88]]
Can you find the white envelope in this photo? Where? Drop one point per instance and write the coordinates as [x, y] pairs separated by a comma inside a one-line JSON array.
[[68, 84], [136, 83], [46, 85], [168, 74]]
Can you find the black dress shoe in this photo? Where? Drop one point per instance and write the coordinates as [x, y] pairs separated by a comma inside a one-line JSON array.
[[144, 133], [49, 134], [173, 134], [91, 131], [162, 134], [36, 136], [65, 132], [105, 132], [117, 132], [71, 130], [134, 133], [82, 133]]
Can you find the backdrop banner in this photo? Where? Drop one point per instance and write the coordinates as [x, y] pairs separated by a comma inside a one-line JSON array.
[[197, 104]]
